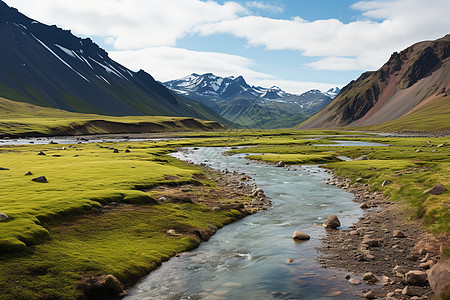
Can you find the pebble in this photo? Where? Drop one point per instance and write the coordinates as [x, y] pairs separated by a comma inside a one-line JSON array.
[[354, 281], [369, 295]]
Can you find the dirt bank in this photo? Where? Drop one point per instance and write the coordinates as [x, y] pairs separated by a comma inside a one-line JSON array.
[[374, 245]]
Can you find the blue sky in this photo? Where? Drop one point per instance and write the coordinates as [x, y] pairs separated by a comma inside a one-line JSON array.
[[295, 44]]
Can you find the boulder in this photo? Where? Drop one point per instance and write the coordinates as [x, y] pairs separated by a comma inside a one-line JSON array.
[[279, 164], [298, 235], [332, 222], [3, 216], [386, 182], [101, 287], [40, 179], [369, 278], [436, 190], [438, 277], [416, 277], [398, 234], [354, 281]]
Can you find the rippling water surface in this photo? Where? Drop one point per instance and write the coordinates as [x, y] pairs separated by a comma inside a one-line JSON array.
[[247, 259]]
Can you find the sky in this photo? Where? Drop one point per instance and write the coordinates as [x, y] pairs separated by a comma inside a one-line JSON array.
[[297, 45]]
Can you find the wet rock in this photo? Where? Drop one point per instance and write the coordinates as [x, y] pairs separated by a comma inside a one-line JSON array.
[[369, 278], [101, 287], [438, 277], [398, 234], [290, 260], [386, 182], [280, 164], [41, 153], [369, 295], [334, 294], [436, 190], [40, 179], [354, 281], [3, 216], [298, 235], [332, 222], [257, 191], [416, 277], [364, 206]]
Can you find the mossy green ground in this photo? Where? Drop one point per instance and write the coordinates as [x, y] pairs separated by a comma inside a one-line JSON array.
[[59, 231]]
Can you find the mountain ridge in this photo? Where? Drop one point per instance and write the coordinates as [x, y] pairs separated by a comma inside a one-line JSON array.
[[48, 66], [415, 76], [251, 106]]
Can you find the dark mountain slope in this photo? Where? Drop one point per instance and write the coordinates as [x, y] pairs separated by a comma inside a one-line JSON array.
[[416, 75], [48, 66]]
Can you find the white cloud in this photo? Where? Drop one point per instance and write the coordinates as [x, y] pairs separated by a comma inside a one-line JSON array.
[[275, 9], [131, 24], [388, 26]]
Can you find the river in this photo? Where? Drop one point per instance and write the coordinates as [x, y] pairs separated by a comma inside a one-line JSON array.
[[247, 259]]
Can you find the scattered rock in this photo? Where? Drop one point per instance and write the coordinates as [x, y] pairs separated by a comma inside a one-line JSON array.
[[3, 216], [127, 151], [3, 169], [418, 150], [369, 295], [386, 182], [364, 206], [354, 281], [398, 234], [63, 148], [279, 164], [363, 157], [332, 222], [370, 242], [427, 265], [28, 173], [116, 151], [290, 260], [41, 153], [101, 287], [216, 208], [172, 232], [398, 271], [41, 179], [408, 291], [440, 145], [370, 278], [438, 277], [436, 190], [298, 235], [416, 278], [385, 280]]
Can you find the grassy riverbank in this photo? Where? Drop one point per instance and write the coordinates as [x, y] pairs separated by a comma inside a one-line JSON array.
[[95, 216]]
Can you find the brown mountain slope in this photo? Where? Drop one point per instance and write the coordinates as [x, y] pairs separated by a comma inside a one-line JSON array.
[[417, 75]]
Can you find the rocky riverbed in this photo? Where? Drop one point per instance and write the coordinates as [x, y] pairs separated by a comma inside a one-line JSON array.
[[384, 248]]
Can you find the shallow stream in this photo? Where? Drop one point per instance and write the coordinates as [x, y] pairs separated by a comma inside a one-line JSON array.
[[247, 259]]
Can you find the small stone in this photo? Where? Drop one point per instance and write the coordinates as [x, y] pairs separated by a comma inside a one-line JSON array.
[[364, 206], [3, 216], [369, 295], [216, 208], [427, 265], [280, 164], [418, 150], [411, 257], [41, 153], [28, 173], [332, 222], [334, 294], [348, 276], [172, 232], [440, 145], [398, 234], [354, 281], [370, 278], [116, 151], [390, 294], [398, 271], [363, 157], [298, 235], [3, 169], [385, 280], [408, 291], [289, 260], [386, 182], [436, 190], [416, 278], [40, 179], [370, 242]]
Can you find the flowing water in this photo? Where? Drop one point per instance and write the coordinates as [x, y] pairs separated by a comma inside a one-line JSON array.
[[247, 259]]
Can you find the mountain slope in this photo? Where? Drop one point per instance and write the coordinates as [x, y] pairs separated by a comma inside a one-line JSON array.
[[417, 75], [48, 66], [251, 106]]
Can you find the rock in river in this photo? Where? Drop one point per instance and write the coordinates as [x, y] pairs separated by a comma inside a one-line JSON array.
[[298, 235], [332, 222]]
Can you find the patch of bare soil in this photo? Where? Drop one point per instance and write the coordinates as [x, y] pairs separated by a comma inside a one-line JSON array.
[[384, 242]]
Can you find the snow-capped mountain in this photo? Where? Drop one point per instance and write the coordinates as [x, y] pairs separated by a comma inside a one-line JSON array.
[[234, 99]]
